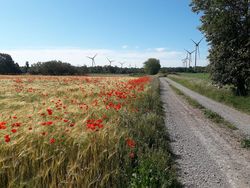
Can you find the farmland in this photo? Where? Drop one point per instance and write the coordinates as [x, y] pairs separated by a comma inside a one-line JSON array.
[[82, 131], [201, 83]]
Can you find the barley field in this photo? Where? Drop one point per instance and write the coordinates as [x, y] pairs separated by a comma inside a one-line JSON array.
[[74, 131]]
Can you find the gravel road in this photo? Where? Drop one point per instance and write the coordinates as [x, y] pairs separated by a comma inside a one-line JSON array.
[[206, 154], [239, 119]]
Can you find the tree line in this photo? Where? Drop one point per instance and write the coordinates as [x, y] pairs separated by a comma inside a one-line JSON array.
[[54, 67], [61, 68], [151, 66]]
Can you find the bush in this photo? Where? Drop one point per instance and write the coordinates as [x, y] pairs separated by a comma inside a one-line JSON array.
[[152, 66]]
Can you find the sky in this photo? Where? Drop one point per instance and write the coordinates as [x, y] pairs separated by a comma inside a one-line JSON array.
[[129, 31]]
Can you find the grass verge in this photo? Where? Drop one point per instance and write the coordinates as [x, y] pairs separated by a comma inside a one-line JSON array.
[[213, 116], [154, 167], [202, 84]]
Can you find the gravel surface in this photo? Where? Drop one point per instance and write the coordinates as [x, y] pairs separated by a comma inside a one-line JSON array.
[[206, 154], [239, 119]]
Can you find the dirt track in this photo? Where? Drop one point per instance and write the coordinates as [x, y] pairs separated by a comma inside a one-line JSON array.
[[206, 155]]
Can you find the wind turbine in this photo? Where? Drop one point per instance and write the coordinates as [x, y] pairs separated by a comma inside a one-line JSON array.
[[110, 61], [197, 50], [121, 63], [93, 59], [189, 54], [185, 61]]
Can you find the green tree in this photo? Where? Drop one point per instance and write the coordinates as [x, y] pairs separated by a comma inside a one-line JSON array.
[[7, 65], [152, 66], [27, 66], [226, 25]]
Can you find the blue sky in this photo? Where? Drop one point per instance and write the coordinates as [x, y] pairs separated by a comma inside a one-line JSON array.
[[124, 30]]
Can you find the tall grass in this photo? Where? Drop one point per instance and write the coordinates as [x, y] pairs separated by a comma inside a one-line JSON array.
[[79, 156], [203, 85]]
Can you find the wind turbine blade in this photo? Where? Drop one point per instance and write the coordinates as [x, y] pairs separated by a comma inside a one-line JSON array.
[[89, 57], [194, 42], [200, 40], [95, 55], [187, 51]]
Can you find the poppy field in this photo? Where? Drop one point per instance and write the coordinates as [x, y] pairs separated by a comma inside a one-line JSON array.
[[82, 132]]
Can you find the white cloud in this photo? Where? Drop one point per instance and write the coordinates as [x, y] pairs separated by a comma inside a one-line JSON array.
[[159, 49], [77, 56], [125, 46]]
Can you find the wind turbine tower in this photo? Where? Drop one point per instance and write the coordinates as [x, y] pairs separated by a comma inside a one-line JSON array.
[[197, 50], [184, 62]]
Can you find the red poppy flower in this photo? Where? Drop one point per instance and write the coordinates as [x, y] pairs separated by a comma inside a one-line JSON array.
[[72, 125], [47, 123], [13, 130], [99, 121], [52, 140], [49, 111], [118, 106], [130, 143], [131, 155], [91, 126], [7, 138], [2, 125], [17, 124]]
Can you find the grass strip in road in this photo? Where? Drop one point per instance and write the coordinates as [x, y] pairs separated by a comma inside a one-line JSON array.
[[213, 116], [246, 143]]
